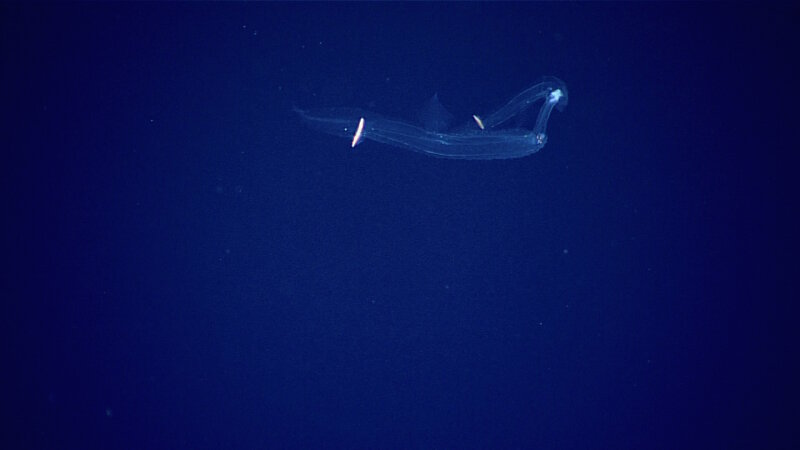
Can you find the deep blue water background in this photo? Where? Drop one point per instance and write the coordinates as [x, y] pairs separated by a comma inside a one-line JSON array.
[[188, 266]]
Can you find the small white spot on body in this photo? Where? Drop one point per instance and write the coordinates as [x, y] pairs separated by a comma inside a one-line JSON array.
[[555, 96]]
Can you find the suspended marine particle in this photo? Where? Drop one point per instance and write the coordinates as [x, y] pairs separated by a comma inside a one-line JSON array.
[[359, 132], [478, 121]]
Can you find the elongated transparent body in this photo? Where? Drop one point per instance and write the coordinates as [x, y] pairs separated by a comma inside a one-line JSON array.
[[467, 142]]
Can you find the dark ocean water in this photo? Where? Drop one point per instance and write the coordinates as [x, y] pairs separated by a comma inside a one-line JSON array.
[[189, 266]]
